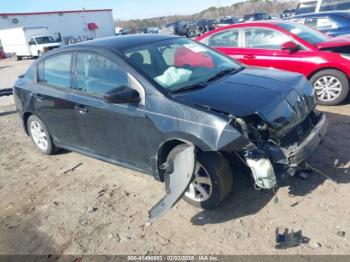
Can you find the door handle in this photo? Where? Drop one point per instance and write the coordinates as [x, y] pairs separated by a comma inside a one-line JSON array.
[[249, 56], [39, 97], [81, 109]]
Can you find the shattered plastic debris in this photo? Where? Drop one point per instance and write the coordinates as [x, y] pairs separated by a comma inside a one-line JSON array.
[[341, 233], [288, 240]]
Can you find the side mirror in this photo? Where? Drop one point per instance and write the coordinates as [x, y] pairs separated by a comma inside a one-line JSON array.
[[122, 95], [31, 42], [290, 46]]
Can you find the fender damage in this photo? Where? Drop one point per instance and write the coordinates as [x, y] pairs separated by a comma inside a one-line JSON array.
[[270, 138]]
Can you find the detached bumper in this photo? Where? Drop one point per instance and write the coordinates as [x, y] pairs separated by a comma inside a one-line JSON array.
[[293, 156]]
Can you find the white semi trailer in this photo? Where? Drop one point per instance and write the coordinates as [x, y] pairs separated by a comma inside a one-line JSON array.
[[27, 41]]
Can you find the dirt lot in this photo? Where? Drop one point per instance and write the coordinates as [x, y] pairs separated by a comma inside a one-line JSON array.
[[47, 203]]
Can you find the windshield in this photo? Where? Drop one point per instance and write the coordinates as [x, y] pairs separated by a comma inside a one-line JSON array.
[[304, 32], [178, 63], [44, 40]]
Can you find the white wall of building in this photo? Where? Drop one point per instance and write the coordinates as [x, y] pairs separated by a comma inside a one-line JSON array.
[[68, 24]]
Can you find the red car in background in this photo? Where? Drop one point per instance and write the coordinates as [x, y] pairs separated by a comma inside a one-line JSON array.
[[291, 46], [2, 54]]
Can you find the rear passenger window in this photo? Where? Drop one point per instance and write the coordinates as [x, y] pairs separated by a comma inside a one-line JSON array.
[[55, 71], [224, 39], [264, 38], [96, 74]]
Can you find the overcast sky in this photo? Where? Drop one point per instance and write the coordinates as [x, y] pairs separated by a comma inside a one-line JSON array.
[[122, 9]]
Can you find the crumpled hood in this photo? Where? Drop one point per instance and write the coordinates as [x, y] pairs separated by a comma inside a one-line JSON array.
[[280, 98], [334, 42]]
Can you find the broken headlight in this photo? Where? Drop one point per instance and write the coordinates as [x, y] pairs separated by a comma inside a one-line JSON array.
[[252, 127]]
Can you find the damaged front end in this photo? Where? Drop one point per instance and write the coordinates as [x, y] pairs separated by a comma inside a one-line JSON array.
[[272, 128], [283, 151]]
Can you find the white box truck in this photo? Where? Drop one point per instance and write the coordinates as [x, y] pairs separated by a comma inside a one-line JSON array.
[[27, 41]]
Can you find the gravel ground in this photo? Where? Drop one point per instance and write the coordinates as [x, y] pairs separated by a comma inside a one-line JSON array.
[[72, 204]]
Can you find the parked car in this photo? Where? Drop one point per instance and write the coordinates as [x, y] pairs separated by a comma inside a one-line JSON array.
[[228, 20], [205, 25], [185, 28], [173, 108], [2, 53], [330, 23], [315, 6], [257, 17], [287, 13], [291, 46]]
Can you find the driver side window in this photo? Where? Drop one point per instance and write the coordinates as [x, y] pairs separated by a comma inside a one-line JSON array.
[[262, 38], [96, 74]]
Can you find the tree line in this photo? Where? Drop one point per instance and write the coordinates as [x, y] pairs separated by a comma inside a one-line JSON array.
[[238, 9]]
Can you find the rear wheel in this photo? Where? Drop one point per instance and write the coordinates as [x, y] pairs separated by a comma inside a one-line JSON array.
[[212, 182], [18, 58], [331, 87], [40, 135]]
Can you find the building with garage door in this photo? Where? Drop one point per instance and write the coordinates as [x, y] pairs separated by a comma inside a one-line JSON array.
[[66, 26]]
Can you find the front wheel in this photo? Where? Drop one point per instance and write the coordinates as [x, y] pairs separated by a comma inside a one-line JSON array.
[[331, 87], [212, 181]]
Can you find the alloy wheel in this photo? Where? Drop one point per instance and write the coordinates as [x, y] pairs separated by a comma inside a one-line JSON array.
[[328, 88], [200, 189], [39, 136]]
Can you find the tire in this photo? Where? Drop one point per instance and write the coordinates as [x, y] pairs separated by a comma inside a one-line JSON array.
[[219, 172], [326, 96], [202, 29], [39, 134], [18, 58]]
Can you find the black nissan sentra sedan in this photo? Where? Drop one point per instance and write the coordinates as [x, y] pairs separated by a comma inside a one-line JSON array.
[[173, 108]]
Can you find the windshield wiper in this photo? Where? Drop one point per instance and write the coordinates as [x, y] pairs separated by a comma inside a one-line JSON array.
[[222, 73], [205, 83], [189, 87]]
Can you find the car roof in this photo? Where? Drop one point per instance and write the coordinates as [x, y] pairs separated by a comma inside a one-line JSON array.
[[119, 43], [344, 13], [259, 23]]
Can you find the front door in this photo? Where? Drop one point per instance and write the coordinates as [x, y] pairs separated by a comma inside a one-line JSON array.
[[262, 47], [113, 131]]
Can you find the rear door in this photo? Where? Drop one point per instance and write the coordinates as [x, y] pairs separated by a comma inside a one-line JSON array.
[[263, 48], [54, 100]]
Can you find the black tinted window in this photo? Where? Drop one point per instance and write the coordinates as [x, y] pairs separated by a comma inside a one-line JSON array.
[[96, 74], [307, 7], [55, 71]]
